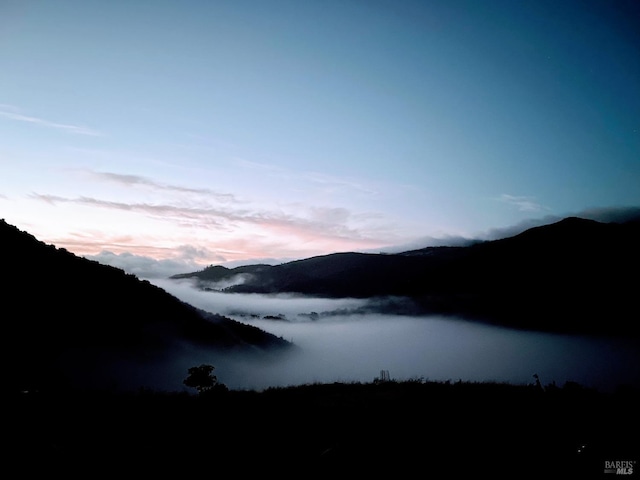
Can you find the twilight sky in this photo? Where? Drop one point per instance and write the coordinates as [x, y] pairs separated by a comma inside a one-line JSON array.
[[201, 132]]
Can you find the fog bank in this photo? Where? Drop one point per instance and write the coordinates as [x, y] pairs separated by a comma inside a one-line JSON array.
[[334, 346]]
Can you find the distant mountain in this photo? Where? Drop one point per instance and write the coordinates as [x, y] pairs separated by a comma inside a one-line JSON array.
[[575, 275], [59, 309]]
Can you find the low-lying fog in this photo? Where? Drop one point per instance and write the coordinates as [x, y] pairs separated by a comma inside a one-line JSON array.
[[336, 344]]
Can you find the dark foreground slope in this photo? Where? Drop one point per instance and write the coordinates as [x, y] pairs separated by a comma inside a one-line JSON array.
[[58, 309], [574, 276], [390, 429]]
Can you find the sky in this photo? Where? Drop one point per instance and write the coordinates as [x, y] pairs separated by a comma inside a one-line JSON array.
[[169, 135]]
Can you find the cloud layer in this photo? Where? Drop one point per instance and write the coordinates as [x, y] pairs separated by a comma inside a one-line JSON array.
[[219, 225]]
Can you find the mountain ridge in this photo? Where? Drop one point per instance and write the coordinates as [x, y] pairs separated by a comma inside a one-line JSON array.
[[550, 277]]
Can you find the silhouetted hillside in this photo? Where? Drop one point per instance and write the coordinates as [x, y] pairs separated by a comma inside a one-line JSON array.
[[57, 308], [573, 275]]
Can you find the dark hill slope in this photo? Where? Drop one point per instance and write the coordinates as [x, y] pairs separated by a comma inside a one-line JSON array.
[[54, 302], [573, 275], [388, 429]]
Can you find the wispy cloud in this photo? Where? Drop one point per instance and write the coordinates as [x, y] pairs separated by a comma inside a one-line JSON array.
[[13, 113], [524, 204], [331, 224], [140, 181], [225, 226], [206, 216], [210, 209]]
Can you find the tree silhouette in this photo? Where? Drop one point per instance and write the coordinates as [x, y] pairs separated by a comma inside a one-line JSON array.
[[201, 378]]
